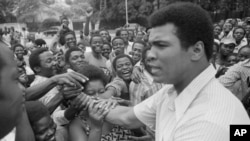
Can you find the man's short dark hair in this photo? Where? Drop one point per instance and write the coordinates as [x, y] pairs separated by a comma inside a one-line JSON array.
[[139, 42], [193, 24], [34, 59], [90, 41], [69, 51], [118, 37], [17, 45], [40, 42], [239, 27]]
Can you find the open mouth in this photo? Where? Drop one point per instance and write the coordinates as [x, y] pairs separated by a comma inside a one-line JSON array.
[[126, 73]]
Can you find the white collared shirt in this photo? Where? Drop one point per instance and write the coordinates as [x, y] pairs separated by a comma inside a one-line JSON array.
[[203, 111]]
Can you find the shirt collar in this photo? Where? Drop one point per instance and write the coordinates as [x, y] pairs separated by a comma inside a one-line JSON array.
[[187, 96]]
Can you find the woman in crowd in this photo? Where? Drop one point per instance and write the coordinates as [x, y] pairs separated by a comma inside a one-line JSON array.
[[239, 36], [91, 127], [106, 50]]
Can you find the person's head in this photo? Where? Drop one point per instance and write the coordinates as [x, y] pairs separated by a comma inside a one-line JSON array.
[[217, 30], [65, 21], [248, 38], [19, 51], [234, 22], [96, 43], [106, 50], [22, 76], [123, 66], [221, 23], [131, 35], [124, 34], [118, 44], [70, 39], [244, 53], [227, 27], [227, 46], [231, 59], [179, 44], [105, 35], [139, 36], [75, 58], [42, 62], [42, 124], [10, 94], [137, 49], [239, 33], [40, 43], [97, 81], [247, 28], [81, 46]]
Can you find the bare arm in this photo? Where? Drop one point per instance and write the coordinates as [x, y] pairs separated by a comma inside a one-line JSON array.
[[54, 103], [124, 116]]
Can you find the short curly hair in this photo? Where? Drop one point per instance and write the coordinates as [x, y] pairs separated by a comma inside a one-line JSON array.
[[69, 51], [93, 73], [34, 59], [193, 24]]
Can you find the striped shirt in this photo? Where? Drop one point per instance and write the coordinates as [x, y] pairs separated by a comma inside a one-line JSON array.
[[203, 111], [236, 79]]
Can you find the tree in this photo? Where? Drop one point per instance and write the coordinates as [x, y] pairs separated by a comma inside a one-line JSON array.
[[7, 9]]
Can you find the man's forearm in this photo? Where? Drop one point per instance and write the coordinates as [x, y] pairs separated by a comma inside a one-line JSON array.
[[118, 116], [37, 91], [54, 103]]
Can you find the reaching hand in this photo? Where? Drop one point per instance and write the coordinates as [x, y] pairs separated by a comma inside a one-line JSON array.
[[97, 112], [89, 12], [136, 75], [81, 102], [71, 78], [70, 92]]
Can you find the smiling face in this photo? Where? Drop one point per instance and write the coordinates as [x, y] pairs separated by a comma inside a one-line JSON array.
[[106, 50], [124, 68], [47, 64], [45, 129], [217, 30], [19, 52], [76, 59], [231, 60], [97, 44], [70, 40], [11, 96], [124, 35], [105, 35], [244, 54], [170, 59], [137, 52]]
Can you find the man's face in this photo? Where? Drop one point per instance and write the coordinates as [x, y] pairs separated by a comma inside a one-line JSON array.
[[11, 96], [124, 35], [76, 59], [139, 35], [217, 30], [247, 28], [65, 22], [47, 64], [118, 46], [95, 88], [227, 27], [96, 44], [227, 49], [45, 129], [169, 60], [70, 40], [124, 68], [19, 51], [238, 34], [105, 35], [137, 52], [231, 60], [106, 50], [244, 54], [131, 35]]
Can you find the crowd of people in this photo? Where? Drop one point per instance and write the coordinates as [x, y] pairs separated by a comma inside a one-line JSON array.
[[183, 78]]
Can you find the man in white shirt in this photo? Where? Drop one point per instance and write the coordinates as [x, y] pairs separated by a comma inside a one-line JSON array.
[[196, 106]]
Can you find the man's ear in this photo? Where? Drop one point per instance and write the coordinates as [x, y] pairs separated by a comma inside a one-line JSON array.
[[198, 51], [37, 69]]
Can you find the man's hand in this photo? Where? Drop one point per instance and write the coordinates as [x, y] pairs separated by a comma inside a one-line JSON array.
[[97, 114], [71, 78], [136, 75], [70, 92], [89, 12]]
